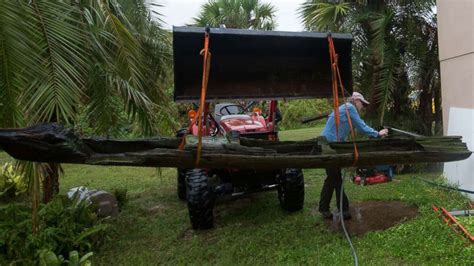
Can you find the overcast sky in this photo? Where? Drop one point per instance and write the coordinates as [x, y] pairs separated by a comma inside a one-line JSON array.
[[181, 12]]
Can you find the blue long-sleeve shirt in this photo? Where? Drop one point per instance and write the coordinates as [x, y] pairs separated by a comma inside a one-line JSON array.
[[330, 129]]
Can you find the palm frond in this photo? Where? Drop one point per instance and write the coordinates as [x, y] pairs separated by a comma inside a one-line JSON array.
[[103, 107], [264, 17], [323, 15], [15, 56], [388, 81], [122, 57], [210, 15], [245, 14], [54, 95], [381, 28]]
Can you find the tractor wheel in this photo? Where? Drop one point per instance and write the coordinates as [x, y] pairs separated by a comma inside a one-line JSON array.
[[291, 189], [200, 199], [181, 183]]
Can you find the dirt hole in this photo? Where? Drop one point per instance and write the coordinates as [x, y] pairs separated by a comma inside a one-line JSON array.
[[370, 216]]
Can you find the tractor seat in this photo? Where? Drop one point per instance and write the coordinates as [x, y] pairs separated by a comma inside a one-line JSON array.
[[241, 116], [241, 122]]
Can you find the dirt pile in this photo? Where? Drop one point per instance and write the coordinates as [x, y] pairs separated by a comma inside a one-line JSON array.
[[370, 216]]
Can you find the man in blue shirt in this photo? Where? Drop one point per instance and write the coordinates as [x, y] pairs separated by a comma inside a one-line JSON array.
[[333, 180]]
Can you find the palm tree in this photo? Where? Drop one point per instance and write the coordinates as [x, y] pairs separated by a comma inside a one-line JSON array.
[[394, 53], [59, 59], [245, 14]]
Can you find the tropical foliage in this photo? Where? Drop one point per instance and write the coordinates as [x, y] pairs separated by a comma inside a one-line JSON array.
[[293, 112], [395, 55], [244, 14], [69, 228], [12, 182], [100, 65], [59, 58]]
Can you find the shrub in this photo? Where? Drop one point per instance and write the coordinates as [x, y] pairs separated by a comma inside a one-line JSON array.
[[294, 111], [121, 196], [48, 258], [12, 183], [65, 226]]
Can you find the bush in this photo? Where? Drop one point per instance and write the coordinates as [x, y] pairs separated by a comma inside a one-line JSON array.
[[12, 183], [121, 196], [64, 226], [294, 111], [48, 258]]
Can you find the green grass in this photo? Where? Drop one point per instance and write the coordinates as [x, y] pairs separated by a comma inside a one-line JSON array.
[[467, 222], [154, 227], [301, 134]]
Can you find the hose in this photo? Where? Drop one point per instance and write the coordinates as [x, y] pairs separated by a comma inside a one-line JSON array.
[[341, 216], [444, 186]]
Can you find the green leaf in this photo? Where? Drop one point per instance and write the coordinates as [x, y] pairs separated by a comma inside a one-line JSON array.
[[48, 258], [245, 14]]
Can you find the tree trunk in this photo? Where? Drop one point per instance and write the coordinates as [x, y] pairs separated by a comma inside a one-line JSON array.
[[400, 97], [50, 181], [425, 110]]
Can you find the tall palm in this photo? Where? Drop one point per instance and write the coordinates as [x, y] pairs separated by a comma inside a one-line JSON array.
[[245, 14], [130, 60], [58, 58], [391, 42]]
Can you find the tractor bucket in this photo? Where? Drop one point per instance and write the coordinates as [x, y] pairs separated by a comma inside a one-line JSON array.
[[258, 65]]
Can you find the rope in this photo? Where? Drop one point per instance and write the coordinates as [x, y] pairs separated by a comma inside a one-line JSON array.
[[332, 58], [206, 66], [337, 82]]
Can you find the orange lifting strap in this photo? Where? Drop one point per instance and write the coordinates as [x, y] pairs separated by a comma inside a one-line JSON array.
[[336, 77], [206, 66]]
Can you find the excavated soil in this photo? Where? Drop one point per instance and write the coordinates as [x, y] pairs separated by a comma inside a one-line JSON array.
[[370, 216]]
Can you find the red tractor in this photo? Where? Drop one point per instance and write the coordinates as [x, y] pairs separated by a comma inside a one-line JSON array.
[[247, 120], [201, 186], [247, 67]]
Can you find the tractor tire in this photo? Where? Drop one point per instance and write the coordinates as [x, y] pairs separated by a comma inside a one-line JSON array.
[[200, 199], [181, 183], [291, 189]]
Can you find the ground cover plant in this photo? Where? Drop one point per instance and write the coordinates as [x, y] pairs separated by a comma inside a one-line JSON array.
[[12, 183], [467, 222], [68, 229], [154, 227]]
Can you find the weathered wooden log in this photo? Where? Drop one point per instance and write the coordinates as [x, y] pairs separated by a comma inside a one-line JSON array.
[[289, 147], [44, 143], [117, 146], [377, 145], [54, 143], [186, 159], [231, 148]]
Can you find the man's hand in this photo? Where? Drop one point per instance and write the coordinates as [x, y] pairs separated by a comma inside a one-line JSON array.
[[383, 133]]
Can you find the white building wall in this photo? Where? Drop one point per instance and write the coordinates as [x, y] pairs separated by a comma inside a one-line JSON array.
[[461, 123], [456, 52]]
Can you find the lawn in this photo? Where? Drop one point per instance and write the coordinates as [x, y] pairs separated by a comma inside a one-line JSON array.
[[301, 134], [153, 227]]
